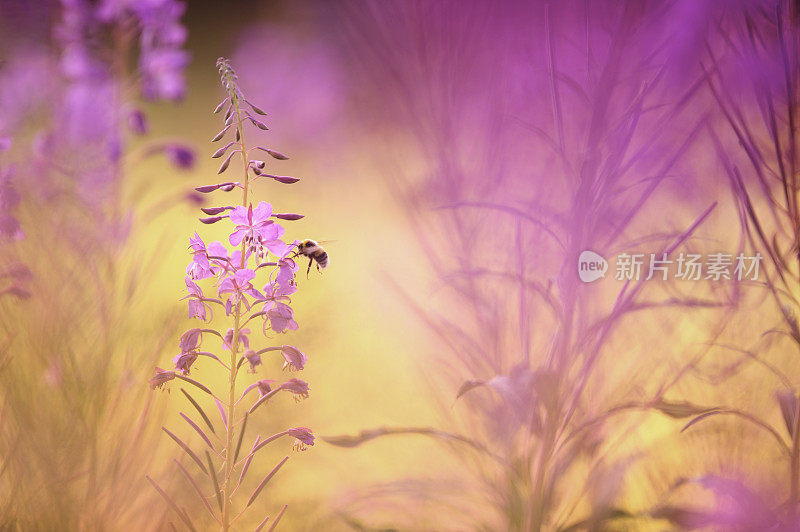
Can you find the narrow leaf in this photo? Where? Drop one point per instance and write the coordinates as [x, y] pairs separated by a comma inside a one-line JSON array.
[[222, 412], [196, 488], [194, 382], [680, 409], [183, 516], [217, 491], [198, 430], [249, 459], [241, 437], [187, 449], [277, 518], [467, 386], [261, 524], [266, 479], [199, 410]]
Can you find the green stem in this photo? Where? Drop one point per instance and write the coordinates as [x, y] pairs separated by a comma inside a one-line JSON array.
[[234, 348]]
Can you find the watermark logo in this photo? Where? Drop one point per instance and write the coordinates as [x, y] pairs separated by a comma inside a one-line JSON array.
[[685, 266], [591, 266]]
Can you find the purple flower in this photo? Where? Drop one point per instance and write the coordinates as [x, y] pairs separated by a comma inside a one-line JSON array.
[[197, 307], [227, 262], [161, 377], [280, 317], [294, 358], [303, 437], [253, 358], [199, 268], [254, 225], [297, 387], [243, 338], [238, 285], [287, 268]]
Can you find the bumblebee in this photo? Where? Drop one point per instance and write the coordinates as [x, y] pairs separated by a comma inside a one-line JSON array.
[[314, 252]]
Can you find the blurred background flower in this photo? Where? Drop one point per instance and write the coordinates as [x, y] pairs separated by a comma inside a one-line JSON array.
[[458, 156]]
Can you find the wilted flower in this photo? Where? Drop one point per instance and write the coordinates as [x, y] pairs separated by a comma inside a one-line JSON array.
[[243, 338], [303, 437], [161, 377], [183, 362], [253, 358], [294, 358], [296, 386], [190, 340]]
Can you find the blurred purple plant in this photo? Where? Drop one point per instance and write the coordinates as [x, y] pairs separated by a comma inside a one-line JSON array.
[[751, 66], [255, 238], [68, 96], [94, 114], [543, 134]]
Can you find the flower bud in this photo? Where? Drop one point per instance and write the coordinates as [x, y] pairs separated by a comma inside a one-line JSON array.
[[220, 106], [211, 219], [220, 152], [226, 162], [214, 210], [259, 125], [254, 108], [205, 189], [221, 133], [285, 179], [275, 154], [287, 216]]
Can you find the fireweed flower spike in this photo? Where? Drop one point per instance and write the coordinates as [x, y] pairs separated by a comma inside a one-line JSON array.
[[257, 255]]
